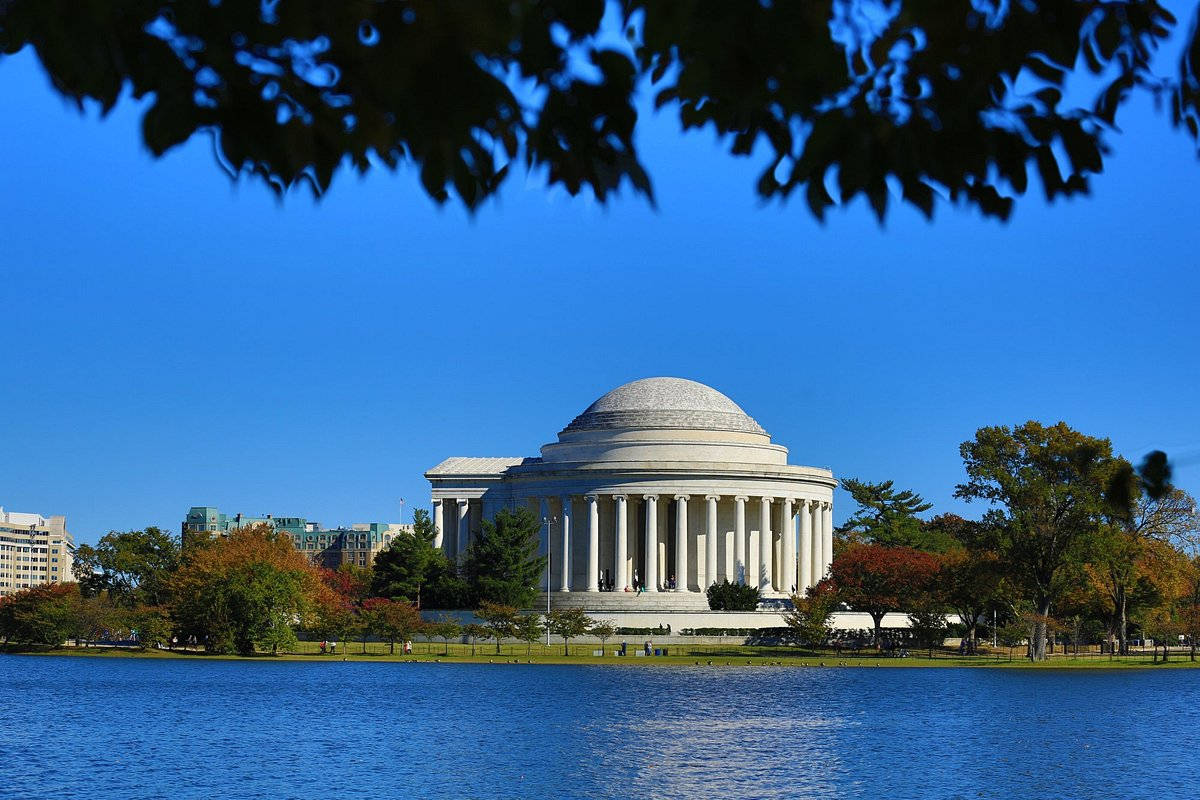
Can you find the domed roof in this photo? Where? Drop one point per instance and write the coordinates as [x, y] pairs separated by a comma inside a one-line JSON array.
[[665, 403]]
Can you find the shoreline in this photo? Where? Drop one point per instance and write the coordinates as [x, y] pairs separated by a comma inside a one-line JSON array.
[[724, 661]]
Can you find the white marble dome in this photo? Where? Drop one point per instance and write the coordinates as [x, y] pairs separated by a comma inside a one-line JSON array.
[[665, 403], [664, 420]]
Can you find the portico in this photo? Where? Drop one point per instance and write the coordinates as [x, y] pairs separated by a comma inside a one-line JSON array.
[[662, 485]]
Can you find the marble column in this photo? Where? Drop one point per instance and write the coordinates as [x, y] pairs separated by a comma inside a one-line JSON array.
[[739, 539], [765, 547], [710, 542], [787, 570], [565, 522], [827, 532], [593, 581], [620, 576], [681, 543], [818, 560], [650, 579], [438, 524], [806, 580], [464, 527]]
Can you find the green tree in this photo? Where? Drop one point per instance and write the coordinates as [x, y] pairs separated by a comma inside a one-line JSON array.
[[43, 615], [500, 621], [408, 563], [887, 516], [1046, 486], [391, 619], [970, 576], [603, 630], [133, 567], [955, 100], [927, 624], [811, 615], [445, 628], [502, 564], [568, 623], [530, 628], [474, 632], [278, 635], [727, 596], [337, 621], [230, 592]]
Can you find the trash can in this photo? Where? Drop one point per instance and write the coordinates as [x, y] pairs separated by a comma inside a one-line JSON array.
[[658, 651]]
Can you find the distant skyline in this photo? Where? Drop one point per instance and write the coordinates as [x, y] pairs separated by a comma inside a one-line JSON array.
[[172, 340]]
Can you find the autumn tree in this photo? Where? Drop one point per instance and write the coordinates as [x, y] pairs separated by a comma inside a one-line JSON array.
[[878, 579], [445, 627], [1045, 486], [970, 575], [232, 591], [959, 101], [1120, 557]]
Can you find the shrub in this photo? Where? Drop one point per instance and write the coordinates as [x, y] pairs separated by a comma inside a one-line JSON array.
[[726, 596]]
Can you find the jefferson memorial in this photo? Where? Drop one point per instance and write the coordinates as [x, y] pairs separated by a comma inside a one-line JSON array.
[[664, 484]]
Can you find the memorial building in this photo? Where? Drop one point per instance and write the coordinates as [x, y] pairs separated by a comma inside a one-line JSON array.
[[662, 484]]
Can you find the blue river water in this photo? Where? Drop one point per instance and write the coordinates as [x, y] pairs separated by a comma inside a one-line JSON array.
[[133, 728]]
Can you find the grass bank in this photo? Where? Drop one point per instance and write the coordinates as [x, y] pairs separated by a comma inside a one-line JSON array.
[[728, 656]]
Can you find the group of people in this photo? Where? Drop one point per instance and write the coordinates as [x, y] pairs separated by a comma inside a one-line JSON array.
[[640, 587]]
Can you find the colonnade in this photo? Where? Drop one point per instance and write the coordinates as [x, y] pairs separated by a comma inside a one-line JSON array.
[[779, 558]]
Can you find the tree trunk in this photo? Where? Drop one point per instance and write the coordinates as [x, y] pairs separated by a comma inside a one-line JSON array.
[[1122, 621], [1038, 643], [972, 643], [497, 645], [566, 651], [878, 620], [1165, 643]]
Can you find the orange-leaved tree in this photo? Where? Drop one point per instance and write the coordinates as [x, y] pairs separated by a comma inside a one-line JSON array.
[[249, 587], [878, 579]]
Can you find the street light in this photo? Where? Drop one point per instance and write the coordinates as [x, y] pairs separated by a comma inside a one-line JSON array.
[[548, 521]]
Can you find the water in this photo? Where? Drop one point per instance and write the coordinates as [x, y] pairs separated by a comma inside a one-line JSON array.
[[129, 728]]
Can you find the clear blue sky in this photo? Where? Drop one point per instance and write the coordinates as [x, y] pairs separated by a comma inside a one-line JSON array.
[[172, 340]]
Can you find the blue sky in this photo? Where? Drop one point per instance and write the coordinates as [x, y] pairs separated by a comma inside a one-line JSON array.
[[172, 339]]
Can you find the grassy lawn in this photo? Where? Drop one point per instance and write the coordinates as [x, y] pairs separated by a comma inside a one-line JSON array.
[[680, 655]]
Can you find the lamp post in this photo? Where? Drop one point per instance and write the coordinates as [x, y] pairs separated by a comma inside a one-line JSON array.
[[548, 521]]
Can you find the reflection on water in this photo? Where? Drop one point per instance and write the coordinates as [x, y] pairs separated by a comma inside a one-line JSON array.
[[82, 727]]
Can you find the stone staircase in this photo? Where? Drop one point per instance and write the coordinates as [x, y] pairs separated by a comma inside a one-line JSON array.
[[625, 601]]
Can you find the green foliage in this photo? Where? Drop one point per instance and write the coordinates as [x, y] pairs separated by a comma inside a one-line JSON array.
[[502, 564], [530, 628], [150, 625], [444, 627], [888, 517], [278, 635], [568, 623], [231, 592], [391, 619], [809, 619], [132, 567], [474, 632], [603, 630], [928, 626], [726, 596], [409, 562], [44, 615], [966, 109], [500, 621], [1047, 487]]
